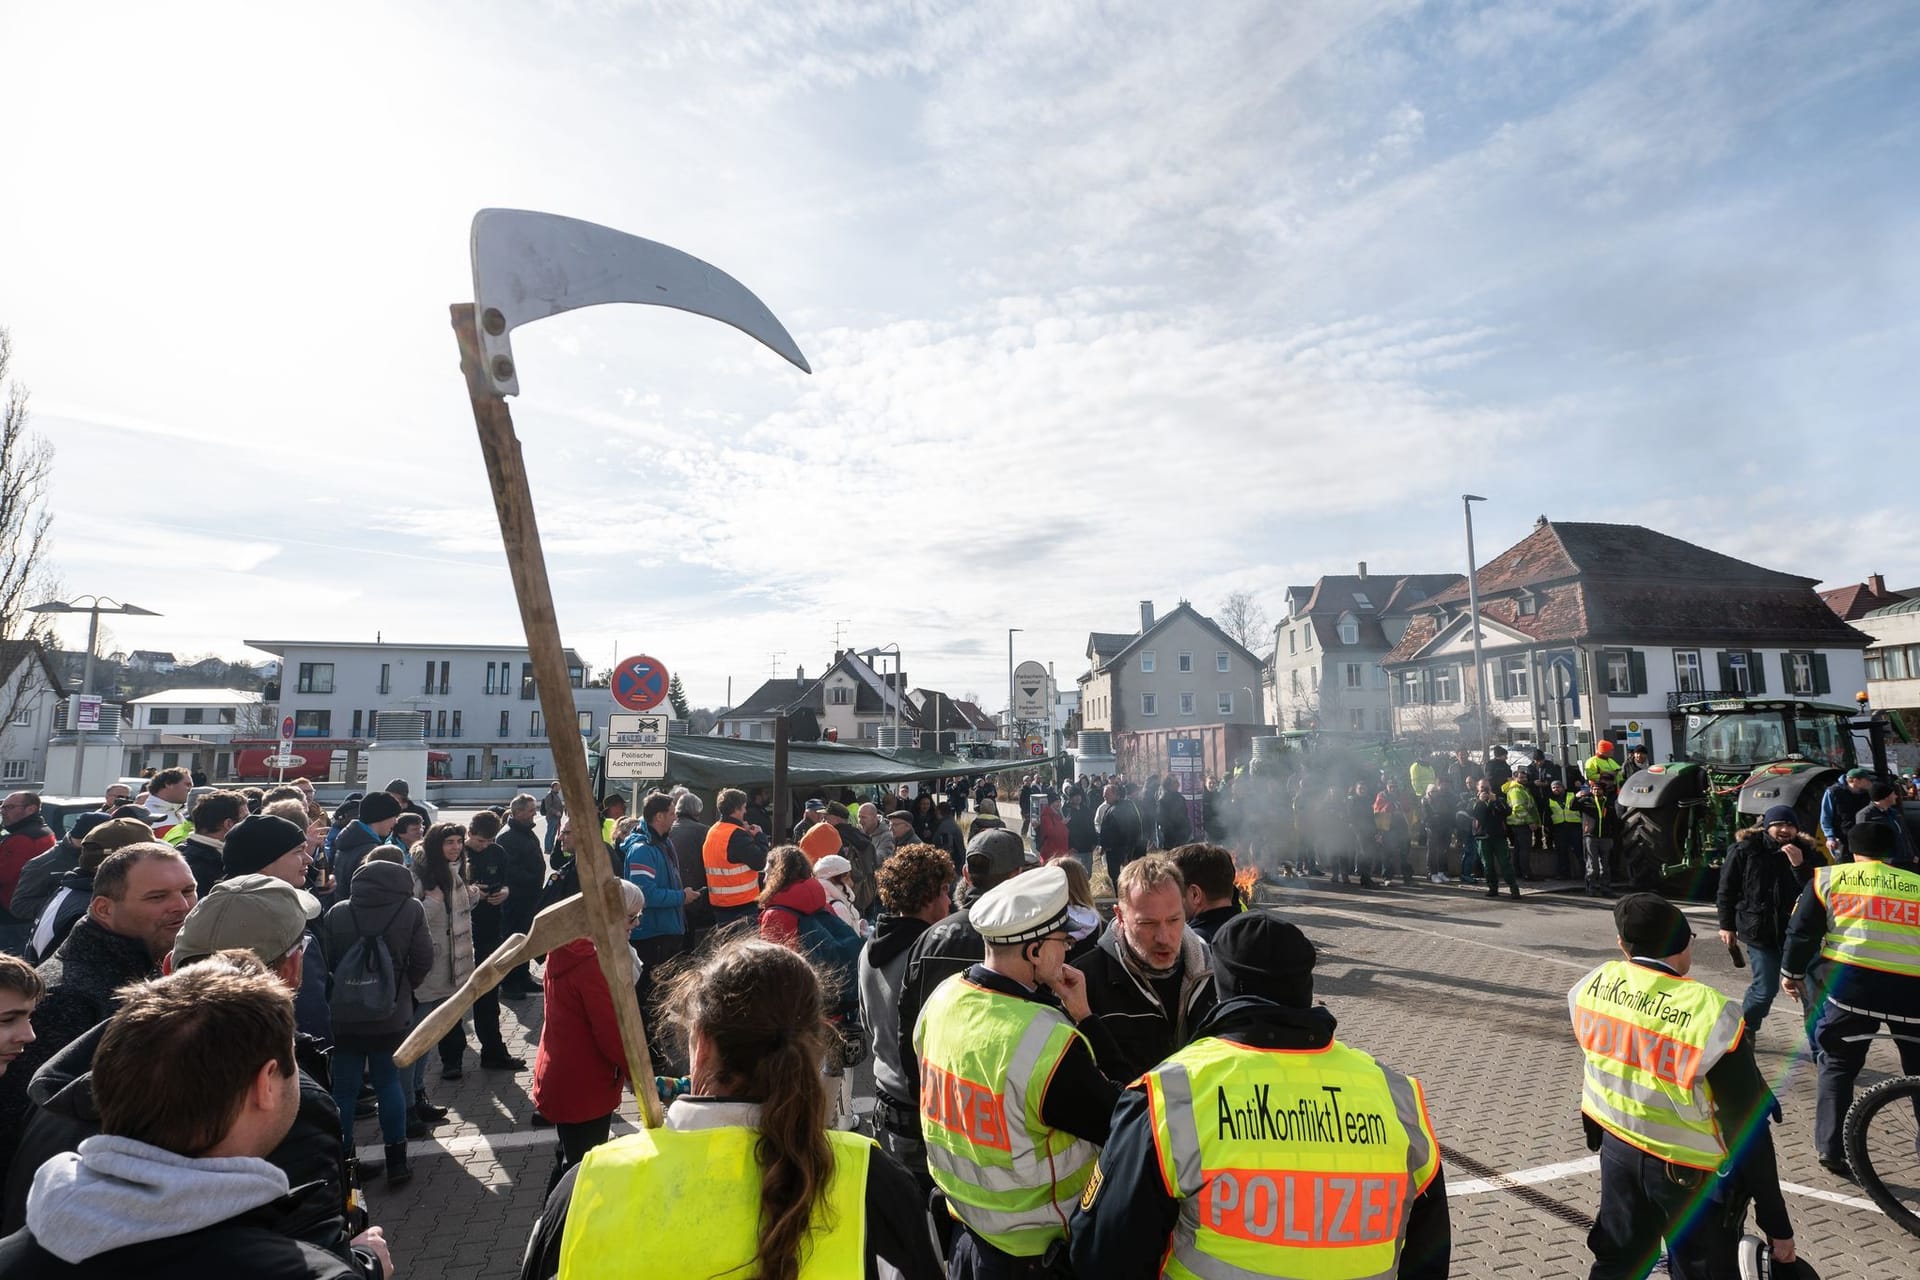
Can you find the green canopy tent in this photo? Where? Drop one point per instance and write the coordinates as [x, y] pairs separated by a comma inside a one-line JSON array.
[[706, 764]]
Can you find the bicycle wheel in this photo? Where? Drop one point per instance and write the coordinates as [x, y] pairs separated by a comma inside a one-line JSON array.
[[1882, 1134]]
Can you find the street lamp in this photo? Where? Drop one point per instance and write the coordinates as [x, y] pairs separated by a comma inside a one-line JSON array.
[[1010, 724], [899, 679], [99, 605], [1473, 608]]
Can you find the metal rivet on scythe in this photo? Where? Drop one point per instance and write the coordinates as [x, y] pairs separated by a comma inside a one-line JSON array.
[[502, 369], [493, 322]]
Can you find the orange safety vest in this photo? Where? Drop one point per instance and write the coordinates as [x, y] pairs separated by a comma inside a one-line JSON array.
[[729, 883]]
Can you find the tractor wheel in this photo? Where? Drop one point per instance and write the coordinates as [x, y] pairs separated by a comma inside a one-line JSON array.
[[1650, 839]]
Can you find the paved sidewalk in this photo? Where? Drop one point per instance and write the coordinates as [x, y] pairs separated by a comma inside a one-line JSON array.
[[1467, 993]]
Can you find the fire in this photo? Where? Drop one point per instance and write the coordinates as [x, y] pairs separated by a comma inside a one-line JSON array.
[[1244, 880]]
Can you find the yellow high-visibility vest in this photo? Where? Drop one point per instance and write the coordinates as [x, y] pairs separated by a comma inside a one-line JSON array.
[[1873, 916], [1287, 1163], [985, 1059], [666, 1202], [1650, 1038]]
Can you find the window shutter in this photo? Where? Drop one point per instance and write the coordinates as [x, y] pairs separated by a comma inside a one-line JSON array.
[[1821, 684], [1496, 688], [1759, 671], [1786, 671], [1636, 671], [1726, 672]]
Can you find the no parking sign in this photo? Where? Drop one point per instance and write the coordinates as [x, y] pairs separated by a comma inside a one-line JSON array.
[[640, 683]]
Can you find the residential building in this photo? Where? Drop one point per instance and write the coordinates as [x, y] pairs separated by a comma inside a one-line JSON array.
[[1326, 675], [958, 720], [1607, 627], [190, 728], [30, 697], [1175, 671], [157, 661], [1893, 661], [852, 700], [476, 702], [1857, 599]]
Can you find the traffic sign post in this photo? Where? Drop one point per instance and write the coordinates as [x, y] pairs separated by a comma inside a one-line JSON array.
[[1030, 691], [636, 747], [286, 740], [286, 729], [639, 683]]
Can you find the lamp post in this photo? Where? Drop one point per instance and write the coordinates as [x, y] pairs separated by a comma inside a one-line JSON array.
[[899, 679], [1473, 608], [99, 605], [1010, 723]]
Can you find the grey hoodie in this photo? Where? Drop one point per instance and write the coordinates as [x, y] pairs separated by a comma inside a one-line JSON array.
[[115, 1192]]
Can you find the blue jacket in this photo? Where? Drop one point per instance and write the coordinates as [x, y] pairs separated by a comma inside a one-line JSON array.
[[651, 865]]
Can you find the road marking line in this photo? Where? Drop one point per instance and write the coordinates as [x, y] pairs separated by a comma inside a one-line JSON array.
[[1377, 922], [1574, 1168], [1832, 1197], [1523, 1177]]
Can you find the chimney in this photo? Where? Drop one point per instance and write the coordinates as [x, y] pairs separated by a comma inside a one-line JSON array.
[[1146, 616], [1877, 585], [1363, 571], [799, 672]]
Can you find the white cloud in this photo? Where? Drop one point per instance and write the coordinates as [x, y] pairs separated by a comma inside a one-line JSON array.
[[1105, 301]]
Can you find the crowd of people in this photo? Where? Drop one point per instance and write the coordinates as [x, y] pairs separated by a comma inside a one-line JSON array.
[[202, 996]]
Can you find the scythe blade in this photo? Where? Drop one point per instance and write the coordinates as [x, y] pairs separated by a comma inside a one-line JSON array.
[[529, 265]]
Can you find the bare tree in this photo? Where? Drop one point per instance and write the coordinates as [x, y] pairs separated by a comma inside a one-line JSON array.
[[26, 461], [1242, 617]]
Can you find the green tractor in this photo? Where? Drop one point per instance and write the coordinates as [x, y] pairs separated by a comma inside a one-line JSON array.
[[1735, 758]]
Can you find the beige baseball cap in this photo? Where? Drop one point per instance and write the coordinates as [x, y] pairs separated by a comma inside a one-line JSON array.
[[261, 914]]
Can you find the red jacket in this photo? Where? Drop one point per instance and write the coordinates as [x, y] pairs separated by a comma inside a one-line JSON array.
[[1053, 834], [24, 842], [783, 927], [581, 1065]]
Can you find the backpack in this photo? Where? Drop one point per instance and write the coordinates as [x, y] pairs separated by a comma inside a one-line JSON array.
[[365, 986]]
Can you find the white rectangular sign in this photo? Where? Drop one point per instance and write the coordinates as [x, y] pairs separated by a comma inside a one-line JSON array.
[[87, 712], [636, 746], [638, 764]]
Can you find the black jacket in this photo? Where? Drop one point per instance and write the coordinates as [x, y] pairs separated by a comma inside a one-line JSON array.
[[67, 914], [688, 836], [204, 861], [487, 868], [1759, 887], [382, 903], [1082, 836], [1122, 1226], [1176, 824], [41, 876], [1210, 920], [350, 848], [1121, 829], [1143, 1030], [254, 1244], [526, 866], [83, 976], [312, 1155]]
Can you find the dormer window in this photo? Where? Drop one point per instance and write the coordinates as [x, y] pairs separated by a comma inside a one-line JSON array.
[[1529, 604], [1349, 628]]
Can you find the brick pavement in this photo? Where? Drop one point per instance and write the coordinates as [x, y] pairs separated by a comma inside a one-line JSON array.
[[1466, 993]]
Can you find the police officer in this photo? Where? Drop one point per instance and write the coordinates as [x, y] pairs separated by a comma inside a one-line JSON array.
[[1853, 940], [1671, 1087], [1013, 1108], [1220, 1159]]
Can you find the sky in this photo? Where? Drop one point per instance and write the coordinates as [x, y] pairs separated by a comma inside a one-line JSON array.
[[1104, 302]]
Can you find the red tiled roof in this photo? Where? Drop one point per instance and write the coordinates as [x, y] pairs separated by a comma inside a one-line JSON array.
[[1857, 600], [1649, 589], [1558, 550]]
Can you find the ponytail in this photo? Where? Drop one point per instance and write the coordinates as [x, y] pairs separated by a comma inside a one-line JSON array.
[[758, 1007]]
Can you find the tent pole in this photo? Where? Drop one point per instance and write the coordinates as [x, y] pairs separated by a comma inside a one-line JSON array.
[[780, 822]]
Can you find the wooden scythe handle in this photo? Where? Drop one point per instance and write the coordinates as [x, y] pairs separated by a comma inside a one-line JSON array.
[[513, 503]]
